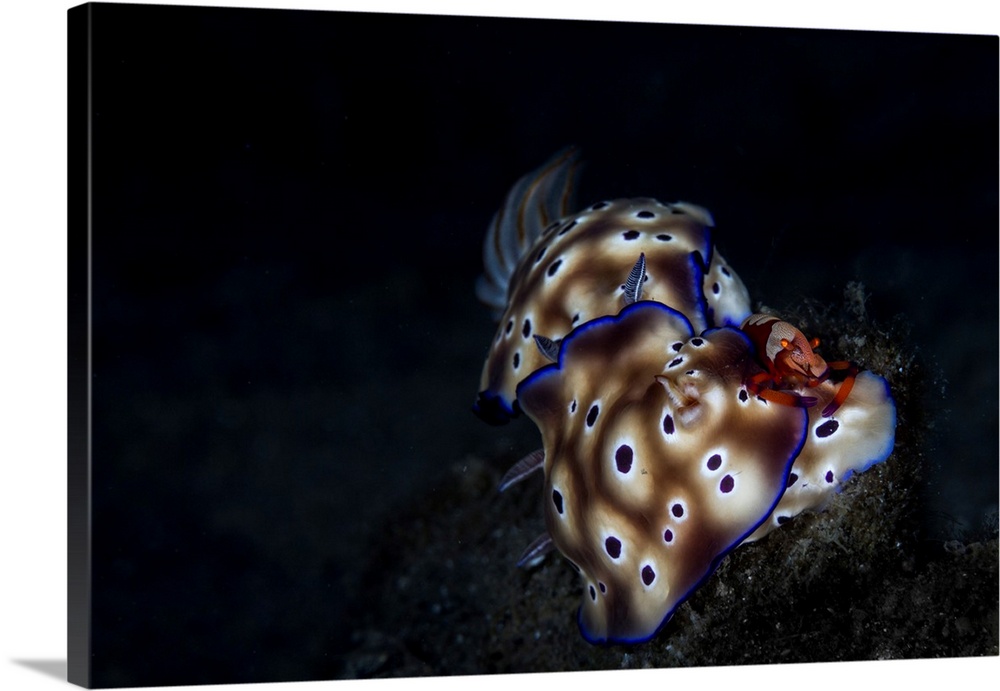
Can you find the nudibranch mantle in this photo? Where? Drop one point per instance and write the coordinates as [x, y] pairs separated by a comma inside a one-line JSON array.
[[860, 434], [657, 468]]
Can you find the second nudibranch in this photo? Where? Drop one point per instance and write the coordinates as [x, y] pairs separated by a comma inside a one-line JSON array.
[[549, 271]]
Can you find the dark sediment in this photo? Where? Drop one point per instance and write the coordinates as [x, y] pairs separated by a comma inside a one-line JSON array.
[[860, 580]]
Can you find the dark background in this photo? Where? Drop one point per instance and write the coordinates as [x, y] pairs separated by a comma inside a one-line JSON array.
[[288, 215]]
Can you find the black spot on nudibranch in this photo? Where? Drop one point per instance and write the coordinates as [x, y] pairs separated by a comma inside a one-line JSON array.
[[782, 520], [526, 330], [675, 362], [648, 575], [743, 396], [517, 360], [598, 206], [569, 227], [553, 267], [827, 428], [541, 253], [726, 486], [725, 271], [792, 479], [716, 288], [572, 406], [664, 237], [714, 461], [696, 342], [829, 476], [623, 458], [604, 588], [668, 424], [677, 346], [613, 546], [510, 325], [557, 500], [593, 593], [630, 234], [645, 214], [592, 415], [668, 535], [677, 510]]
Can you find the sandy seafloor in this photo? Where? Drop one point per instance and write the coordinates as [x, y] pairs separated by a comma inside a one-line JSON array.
[[288, 481]]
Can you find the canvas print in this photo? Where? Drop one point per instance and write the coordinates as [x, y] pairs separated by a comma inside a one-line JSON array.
[[410, 346]]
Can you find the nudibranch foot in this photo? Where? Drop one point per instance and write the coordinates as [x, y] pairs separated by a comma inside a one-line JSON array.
[[491, 408]]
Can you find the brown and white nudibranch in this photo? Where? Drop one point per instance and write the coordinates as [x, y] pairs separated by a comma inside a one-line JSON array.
[[675, 425], [657, 461], [547, 272]]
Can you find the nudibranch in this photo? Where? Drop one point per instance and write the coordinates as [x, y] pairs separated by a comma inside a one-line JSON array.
[[657, 460], [675, 425], [547, 272]]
